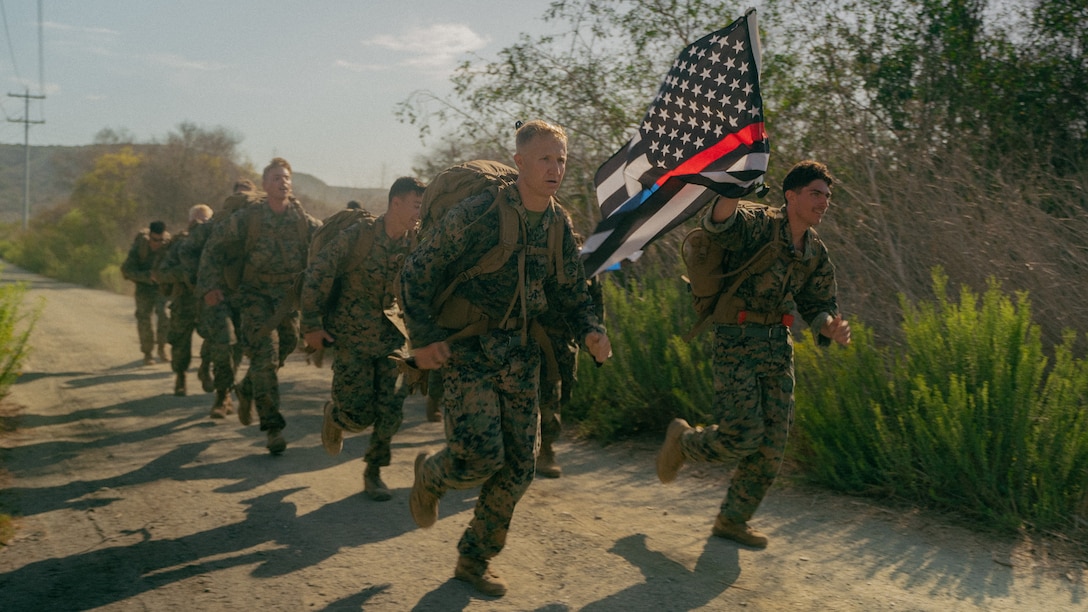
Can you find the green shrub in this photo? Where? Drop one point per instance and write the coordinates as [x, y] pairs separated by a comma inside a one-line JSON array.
[[654, 375], [965, 416], [15, 327]]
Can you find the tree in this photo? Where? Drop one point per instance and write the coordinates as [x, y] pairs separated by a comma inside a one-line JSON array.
[[595, 78]]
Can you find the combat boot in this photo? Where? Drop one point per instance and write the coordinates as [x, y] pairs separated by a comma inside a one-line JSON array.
[[372, 483], [738, 532], [545, 463], [204, 375], [179, 384], [148, 359], [434, 411], [477, 573], [245, 405], [671, 456], [162, 353], [332, 437], [422, 503], [276, 442], [221, 407]]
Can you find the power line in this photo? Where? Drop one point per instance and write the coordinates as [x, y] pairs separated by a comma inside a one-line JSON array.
[[7, 32], [26, 147]]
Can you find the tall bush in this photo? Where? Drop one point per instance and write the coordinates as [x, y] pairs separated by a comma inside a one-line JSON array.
[[654, 375], [966, 416]]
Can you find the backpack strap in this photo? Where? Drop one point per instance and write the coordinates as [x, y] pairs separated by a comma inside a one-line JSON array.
[[758, 263]]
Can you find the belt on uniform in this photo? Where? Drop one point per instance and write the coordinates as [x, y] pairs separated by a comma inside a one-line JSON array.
[[753, 331]]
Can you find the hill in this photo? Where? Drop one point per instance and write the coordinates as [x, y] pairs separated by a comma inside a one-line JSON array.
[[55, 169]]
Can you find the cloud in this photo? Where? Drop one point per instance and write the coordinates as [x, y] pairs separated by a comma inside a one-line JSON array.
[[434, 46], [355, 67], [53, 25], [176, 61]]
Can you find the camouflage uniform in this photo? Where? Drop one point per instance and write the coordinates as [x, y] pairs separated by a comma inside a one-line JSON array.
[[367, 324], [555, 393], [491, 381], [184, 303], [137, 267], [753, 363], [274, 255], [218, 324]]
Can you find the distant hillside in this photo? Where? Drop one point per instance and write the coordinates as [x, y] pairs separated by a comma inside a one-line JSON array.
[[55, 169], [53, 172]]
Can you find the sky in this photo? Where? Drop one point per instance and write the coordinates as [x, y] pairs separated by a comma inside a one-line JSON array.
[[314, 82]]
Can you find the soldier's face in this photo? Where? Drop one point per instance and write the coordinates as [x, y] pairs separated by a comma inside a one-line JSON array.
[[406, 207], [156, 241], [277, 182], [809, 203], [542, 162]]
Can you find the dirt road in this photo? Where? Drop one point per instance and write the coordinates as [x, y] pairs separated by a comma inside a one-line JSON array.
[[129, 498]]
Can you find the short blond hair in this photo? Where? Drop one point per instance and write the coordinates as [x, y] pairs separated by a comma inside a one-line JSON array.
[[537, 127], [277, 162], [195, 211]]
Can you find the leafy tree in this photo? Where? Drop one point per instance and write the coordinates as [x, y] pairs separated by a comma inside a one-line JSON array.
[[594, 76]]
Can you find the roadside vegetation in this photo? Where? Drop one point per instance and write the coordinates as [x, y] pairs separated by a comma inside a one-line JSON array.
[[16, 323], [959, 135]]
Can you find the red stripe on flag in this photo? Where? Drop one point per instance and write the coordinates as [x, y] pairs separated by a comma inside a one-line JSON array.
[[694, 165]]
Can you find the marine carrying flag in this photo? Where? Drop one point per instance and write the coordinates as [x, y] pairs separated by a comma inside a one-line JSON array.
[[703, 135]]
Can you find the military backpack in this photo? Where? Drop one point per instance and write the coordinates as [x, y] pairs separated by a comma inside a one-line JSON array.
[[709, 267]]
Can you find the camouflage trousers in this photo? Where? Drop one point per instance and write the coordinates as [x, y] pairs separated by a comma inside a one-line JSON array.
[[753, 402], [267, 352], [554, 394], [491, 418], [184, 316], [149, 301], [217, 325], [364, 393]]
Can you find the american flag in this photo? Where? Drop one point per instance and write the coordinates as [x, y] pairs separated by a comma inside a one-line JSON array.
[[703, 135]]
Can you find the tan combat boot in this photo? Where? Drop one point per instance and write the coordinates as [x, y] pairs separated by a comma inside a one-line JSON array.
[[179, 384], [421, 503], [477, 573], [372, 484], [434, 411], [162, 353], [738, 532], [332, 437], [671, 456], [276, 442], [545, 463], [221, 407], [148, 359]]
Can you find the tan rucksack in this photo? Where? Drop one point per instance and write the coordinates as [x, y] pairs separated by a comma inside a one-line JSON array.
[[463, 181], [706, 263]]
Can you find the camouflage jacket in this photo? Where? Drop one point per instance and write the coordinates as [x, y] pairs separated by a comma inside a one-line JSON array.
[[170, 270], [805, 285], [141, 260], [466, 234], [357, 307], [272, 254]]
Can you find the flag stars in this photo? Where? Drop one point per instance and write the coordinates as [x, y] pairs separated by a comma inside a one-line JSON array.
[[735, 84], [693, 122], [743, 68], [738, 46], [698, 143], [705, 74], [730, 63], [747, 89]]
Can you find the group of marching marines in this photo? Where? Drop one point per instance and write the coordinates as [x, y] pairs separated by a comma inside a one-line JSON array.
[[249, 282]]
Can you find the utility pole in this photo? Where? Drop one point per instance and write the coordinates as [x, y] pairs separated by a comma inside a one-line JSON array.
[[26, 146]]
